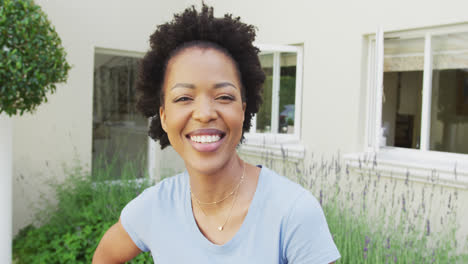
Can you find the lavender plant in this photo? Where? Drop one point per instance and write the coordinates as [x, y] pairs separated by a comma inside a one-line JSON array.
[[376, 216]]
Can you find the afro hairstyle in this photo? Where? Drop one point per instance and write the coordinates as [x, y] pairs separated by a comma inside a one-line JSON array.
[[200, 29]]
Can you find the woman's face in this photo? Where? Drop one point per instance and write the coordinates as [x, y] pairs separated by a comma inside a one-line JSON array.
[[203, 112]]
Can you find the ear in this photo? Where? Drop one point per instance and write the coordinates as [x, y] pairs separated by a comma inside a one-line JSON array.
[[162, 117]]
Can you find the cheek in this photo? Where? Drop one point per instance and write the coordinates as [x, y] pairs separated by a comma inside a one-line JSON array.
[[236, 119], [175, 121]]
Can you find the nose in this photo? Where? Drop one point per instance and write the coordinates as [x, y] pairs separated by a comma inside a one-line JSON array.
[[205, 110]]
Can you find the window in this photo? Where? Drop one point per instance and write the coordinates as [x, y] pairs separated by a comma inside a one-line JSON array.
[[119, 132], [276, 127], [417, 121], [418, 90], [279, 115]]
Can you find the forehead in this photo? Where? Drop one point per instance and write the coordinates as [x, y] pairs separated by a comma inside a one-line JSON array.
[[201, 64]]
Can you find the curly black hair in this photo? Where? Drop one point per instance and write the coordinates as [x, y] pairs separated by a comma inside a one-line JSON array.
[[192, 28]]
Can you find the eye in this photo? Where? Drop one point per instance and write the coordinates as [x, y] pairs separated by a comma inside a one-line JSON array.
[[182, 99], [226, 98]]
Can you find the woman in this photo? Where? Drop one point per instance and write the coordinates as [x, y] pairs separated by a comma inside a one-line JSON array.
[[201, 82]]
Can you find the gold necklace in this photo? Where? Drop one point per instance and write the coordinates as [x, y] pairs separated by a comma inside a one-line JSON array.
[[221, 227], [236, 191], [229, 195]]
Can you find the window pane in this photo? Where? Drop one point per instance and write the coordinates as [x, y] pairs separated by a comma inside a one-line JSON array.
[[403, 78], [264, 114], [287, 93], [119, 132], [449, 108], [401, 55]]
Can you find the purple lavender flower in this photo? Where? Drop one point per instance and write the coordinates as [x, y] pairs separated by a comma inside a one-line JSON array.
[[321, 196], [449, 201], [403, 203], [395, 259], [388, 243], [366, 249], [428, 227]]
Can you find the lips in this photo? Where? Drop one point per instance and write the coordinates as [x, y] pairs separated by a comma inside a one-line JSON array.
[[206, 140]]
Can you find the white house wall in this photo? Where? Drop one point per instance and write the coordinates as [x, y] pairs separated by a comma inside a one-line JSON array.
[[334, 82]]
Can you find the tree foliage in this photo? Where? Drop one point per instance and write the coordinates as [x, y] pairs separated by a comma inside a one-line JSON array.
[[32, 59]]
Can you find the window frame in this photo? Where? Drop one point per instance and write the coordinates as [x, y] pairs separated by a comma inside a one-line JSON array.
[[152, 147], [453, 166], [255, 139], [375, 83]]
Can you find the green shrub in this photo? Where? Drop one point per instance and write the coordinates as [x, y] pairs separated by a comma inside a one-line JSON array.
[[71, 230], [32, 59]]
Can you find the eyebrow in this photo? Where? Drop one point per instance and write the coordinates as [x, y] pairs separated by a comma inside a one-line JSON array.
[[191, 86], [183, 85], [224, 84]]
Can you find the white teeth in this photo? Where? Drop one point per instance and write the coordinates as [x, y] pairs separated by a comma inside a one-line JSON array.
[[205, 139]]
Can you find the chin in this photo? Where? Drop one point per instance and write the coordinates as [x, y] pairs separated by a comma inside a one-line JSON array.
[[210, 165]]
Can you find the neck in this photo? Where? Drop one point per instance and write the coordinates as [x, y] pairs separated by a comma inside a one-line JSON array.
[[216, 185]]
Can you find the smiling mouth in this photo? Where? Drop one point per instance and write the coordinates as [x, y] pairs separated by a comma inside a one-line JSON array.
[[206, 139], [206, 136]]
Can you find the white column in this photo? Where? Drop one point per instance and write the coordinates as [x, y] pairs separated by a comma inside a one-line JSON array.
[[6, 193], [153, 160], [379, 64], [275, 93], [426, 95]]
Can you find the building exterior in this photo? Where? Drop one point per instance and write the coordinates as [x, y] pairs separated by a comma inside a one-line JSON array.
[[329, 56]]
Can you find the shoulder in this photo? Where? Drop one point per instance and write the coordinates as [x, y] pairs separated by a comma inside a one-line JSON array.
[[138, 214], [165, 192], [171, 188], [307, 237], [305, 234], [291, 202], [167, 189], [284, 191], [306, 209]]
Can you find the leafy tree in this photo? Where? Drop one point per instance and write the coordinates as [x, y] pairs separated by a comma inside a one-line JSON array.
[[32, 59]]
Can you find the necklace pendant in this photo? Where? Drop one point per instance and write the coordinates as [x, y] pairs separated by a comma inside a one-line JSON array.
[[220, 228]]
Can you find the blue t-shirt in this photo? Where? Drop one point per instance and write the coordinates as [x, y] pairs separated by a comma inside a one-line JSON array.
[[284, 224]]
